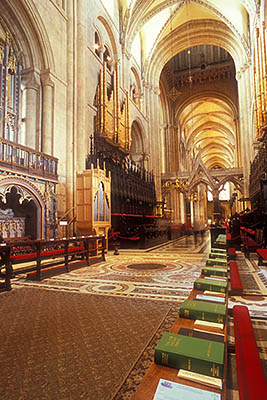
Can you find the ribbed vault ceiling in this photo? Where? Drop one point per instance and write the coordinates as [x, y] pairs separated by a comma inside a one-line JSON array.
[[207, 123], [208, 127]]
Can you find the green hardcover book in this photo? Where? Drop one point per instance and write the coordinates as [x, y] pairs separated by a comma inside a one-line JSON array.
[[203, 310], [216, 261], [209, 284], [190, 353], [214, 271], [216, 250], [220, 256]]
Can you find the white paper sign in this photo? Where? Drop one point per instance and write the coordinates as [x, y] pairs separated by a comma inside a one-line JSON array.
[[168, 390]]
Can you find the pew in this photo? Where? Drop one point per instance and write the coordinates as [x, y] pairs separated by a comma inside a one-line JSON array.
[[252, 384], [236, 284], [38, 256]]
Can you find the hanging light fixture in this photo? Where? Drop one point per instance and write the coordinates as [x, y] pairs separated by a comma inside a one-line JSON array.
[[173, 93], [190, 77]]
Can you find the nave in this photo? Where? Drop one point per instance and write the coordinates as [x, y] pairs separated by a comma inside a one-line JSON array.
[[91, 333]]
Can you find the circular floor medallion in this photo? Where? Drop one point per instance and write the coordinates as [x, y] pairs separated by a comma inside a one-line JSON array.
[[146, 266], [107, 287]]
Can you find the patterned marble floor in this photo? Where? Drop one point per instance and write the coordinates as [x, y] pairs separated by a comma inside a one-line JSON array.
[[162, 273], [166, 272]]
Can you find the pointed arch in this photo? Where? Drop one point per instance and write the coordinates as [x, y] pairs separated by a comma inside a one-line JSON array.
[[28, 190]]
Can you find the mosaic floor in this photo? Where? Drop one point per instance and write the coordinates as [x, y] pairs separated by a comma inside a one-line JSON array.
[[162, 273], [165, 272]]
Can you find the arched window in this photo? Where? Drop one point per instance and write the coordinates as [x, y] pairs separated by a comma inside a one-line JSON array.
[[107, 58], [97, 45]]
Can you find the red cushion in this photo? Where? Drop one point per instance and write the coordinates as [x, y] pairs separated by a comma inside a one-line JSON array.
[[236, 284], [51, 252], [262, 253], [77, 248], [25, 256], [251, 380]]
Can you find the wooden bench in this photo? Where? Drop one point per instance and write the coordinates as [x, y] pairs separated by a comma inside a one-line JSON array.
[[39, 256], [236, 284], [252, 384], [262, 256]]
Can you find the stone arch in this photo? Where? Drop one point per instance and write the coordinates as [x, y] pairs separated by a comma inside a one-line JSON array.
[[26, 191], [110, 36], [137, 78], [137, 152], [208, 32], [198, 182], [143, 15], [236, 182], [135, 85], [29, 34]]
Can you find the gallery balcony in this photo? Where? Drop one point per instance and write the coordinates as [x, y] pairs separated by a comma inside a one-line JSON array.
[[21, 159]]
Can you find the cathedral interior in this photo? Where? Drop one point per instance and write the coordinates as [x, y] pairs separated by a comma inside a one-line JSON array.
[[142, 124]]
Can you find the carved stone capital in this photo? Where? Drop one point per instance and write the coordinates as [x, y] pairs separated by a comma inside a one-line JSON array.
[[31, 79], [46, 78]]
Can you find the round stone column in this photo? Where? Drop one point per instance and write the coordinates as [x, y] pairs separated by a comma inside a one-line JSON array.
[[246, 129], [31, 80], [47, 113]]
